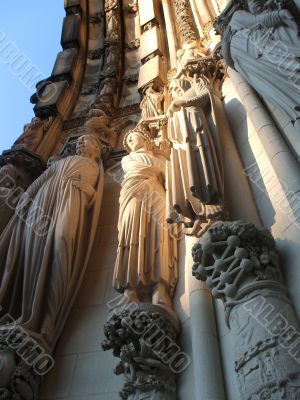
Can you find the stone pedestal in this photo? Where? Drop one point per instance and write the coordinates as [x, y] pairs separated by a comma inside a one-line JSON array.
[[240, 265], [144, 337]]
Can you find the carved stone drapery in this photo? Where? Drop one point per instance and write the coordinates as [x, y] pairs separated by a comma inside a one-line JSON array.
[[195, 170], [146, 263], [240, 265], [260, 40], [145, 271], [49, 238], [144, 338]]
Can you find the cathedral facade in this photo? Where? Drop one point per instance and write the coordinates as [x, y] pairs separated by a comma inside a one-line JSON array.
[[150, 211]]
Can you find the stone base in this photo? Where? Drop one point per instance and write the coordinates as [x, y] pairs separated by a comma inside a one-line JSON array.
[[144, 337]]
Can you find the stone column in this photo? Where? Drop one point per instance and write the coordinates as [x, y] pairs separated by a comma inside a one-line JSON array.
[[240, 265]]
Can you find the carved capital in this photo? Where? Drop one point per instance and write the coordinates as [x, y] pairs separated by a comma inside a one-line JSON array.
[[236, 259]]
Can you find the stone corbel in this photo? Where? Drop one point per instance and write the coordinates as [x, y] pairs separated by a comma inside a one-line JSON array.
[[144, 338]]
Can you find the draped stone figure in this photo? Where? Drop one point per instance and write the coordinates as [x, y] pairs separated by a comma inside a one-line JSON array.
[[146, 264], [195, 169], [33, 134], [13, 181], [263, 45], [45, 248]]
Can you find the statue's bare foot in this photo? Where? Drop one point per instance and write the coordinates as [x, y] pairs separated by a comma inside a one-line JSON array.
[[161, 296], [213, 211], [130, 296]]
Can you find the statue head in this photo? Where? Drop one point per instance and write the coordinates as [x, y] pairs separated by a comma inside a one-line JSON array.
[[175, 88], [89, 146], [136, 139], [256, 6]]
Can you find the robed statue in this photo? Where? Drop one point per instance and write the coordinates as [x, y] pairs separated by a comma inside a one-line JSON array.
[[262, 43], [45, 248], [146, 264]]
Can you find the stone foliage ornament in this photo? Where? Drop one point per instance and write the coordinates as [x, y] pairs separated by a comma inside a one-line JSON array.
[[144, 338], [240, 264], [184, 16], [49, 239], [261, 41]]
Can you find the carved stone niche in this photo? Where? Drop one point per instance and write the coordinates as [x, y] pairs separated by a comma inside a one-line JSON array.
[[144, 337], [240, 264]]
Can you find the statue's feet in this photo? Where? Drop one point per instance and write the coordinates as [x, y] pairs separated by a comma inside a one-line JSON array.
[[129, 296], [213, 211], [161, 297]]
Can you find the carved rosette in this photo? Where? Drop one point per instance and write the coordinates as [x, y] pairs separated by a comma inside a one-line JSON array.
[[144, 337], [240, 264]]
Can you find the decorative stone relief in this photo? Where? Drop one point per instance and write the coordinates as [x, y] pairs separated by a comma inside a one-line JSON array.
[[185, 21], [144, 338], [49, 237], [240, 265], [257, 37], [33, 134]]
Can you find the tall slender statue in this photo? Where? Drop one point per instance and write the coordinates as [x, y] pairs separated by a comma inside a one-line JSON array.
[[262, 43], [45, 248], [146, 264], [195, 169]]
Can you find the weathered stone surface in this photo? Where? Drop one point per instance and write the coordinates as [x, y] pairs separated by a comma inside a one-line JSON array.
[[47, 97], [70, 32], [151, 43], [64, 64], [152, 71], [240, 264], [147, 11]]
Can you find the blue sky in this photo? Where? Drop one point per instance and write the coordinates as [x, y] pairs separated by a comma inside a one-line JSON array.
[[34, 27]]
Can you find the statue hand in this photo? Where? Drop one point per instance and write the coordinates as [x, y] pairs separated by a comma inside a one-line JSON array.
[[174, 106], [84, 187]]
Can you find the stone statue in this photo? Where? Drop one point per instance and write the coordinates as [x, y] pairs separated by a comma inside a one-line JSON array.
[[146, 264], [151, 105], [46, 246], [33, 134], [263, 45], [195, 169], [13, 181]]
